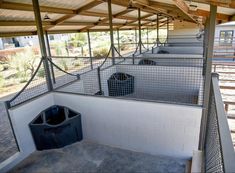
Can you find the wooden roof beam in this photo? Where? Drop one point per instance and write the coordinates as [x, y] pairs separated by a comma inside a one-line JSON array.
[[230, 4], [133, 21], [204, 13], [107, 19], [184, 8], [46, 23], [29, 7], [79, 10]]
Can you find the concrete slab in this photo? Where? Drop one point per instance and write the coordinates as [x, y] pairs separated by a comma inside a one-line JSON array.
[[87, 156]]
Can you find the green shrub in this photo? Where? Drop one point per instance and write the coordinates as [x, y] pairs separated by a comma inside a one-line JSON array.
[[41, 73], [2, 81], [102, 52], [64, 65], [23, 64]]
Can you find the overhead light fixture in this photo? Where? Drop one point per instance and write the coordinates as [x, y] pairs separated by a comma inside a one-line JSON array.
[[130, 7], [192, 7], [46, 17]]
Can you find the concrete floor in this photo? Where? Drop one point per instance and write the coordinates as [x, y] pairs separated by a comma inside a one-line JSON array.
[[89, 157]]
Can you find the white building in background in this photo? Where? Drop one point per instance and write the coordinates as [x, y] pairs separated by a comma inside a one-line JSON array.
[[224, 34], [23, 41]]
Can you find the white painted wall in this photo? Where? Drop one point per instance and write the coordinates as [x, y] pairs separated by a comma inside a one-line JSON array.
[[155, 128], [21, 116]]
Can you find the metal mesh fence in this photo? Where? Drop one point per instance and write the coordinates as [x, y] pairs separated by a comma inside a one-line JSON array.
[[35, 87], [66, 70], [8, 146], [163, 79], [213, 151]]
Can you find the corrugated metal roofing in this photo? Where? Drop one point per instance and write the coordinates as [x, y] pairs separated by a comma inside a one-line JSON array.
[[95, 12], [69, 4]]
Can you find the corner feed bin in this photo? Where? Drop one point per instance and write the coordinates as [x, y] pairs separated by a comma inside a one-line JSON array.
[[56, 127], [120, 84], [147, 62]]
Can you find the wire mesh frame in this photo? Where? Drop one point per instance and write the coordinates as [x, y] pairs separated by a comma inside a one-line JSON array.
[[213, 148], [169, 79], [173, 82], [35, 86]]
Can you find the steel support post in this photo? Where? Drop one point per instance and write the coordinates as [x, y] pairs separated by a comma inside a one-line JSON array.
[[42, 43], [147, 38], [136, 40], [118, 39], [207, 85], [167, 28], [139, 23], [89, 47], [111, 30], [49, 56], [157, 30]]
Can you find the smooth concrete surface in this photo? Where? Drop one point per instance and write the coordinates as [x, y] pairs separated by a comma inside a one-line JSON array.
[[148, 127], [87, 157], [197, 161]]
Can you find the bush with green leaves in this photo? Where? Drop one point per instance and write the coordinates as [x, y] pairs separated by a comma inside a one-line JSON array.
[[41, 73], [24, 64], [2, 81], [101, 52]]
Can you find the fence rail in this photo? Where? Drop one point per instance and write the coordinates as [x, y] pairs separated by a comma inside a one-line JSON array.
[[219, 151]]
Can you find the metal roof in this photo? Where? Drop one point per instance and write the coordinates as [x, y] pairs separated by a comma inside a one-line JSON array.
[[17, 17]]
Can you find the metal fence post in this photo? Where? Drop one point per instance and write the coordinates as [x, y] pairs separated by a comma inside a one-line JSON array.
[[139, 23], [89, 47], [207, 85], [167, 26], [119, 49], [42, 43], [49, 54], [99, 79], [157, 30], [147, 38], [111, 30]]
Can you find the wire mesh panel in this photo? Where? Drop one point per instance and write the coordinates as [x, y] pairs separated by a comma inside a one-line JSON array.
[[36, 86], [8, 146], [213, 152], [168, 79], [63, 74]]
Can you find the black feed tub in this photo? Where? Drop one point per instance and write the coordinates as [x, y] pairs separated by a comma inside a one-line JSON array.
[[147, 62], [56, 127], [120, 84], [163, 52]]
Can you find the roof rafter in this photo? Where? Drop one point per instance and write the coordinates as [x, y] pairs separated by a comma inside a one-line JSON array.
[[184, 8], [220, 3], [106, 19], [29, 7], [77, 11], [46, 23]]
